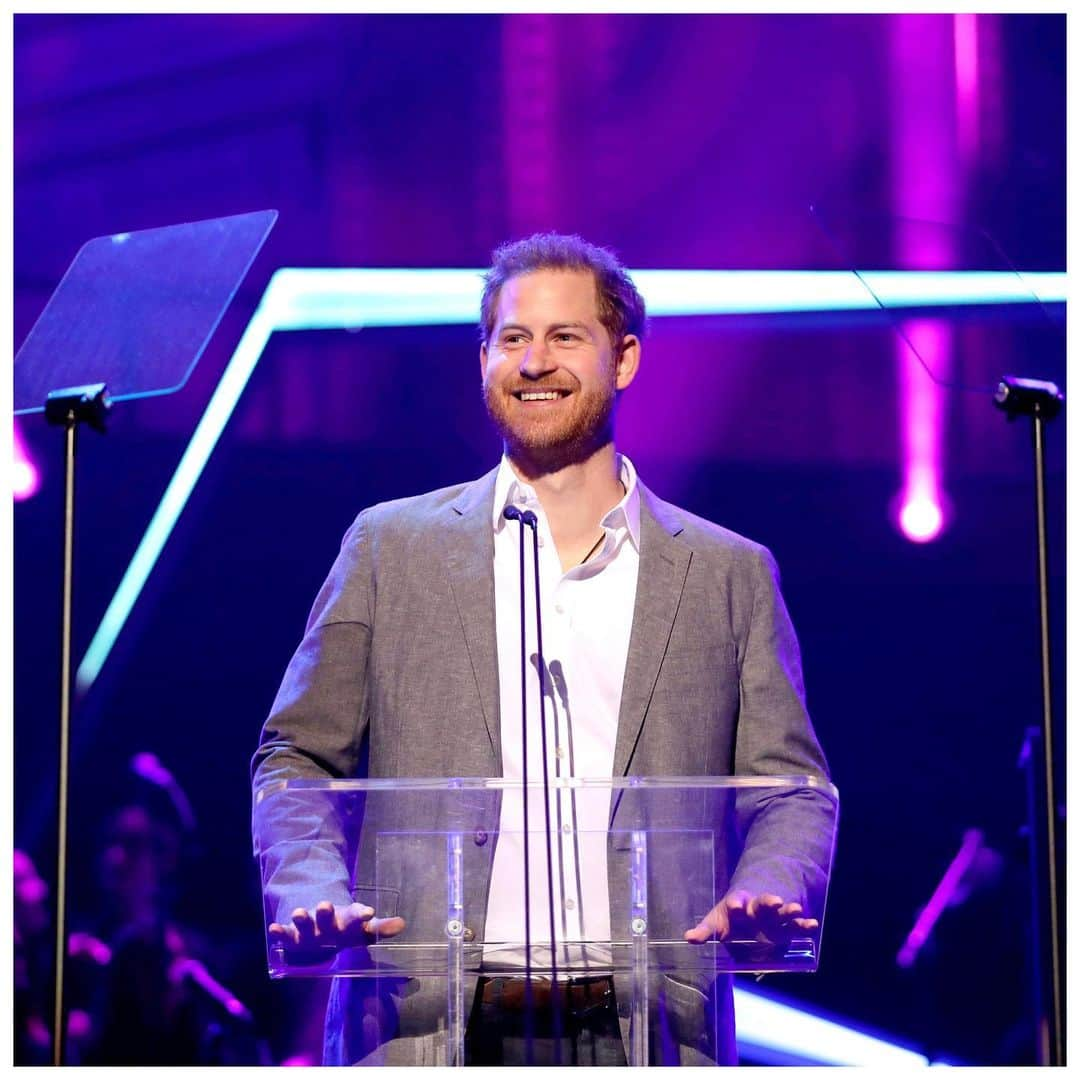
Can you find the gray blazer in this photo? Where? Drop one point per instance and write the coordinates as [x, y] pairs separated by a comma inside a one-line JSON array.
[[399, 666]]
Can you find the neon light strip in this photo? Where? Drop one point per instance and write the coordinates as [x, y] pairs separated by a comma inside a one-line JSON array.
[[176, 495], [336, 299], [763, 1022], [322, 299]]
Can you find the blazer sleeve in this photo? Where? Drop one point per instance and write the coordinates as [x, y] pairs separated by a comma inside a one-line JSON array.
[[315, 731], [787, 836]]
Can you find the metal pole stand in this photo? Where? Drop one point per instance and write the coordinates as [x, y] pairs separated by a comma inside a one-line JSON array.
[[67, 409], [1042, 401]]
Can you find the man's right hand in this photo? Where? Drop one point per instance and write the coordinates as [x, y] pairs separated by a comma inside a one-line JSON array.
[[311, 939]]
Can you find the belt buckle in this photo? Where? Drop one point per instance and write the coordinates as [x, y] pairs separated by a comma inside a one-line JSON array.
[[594, 993]]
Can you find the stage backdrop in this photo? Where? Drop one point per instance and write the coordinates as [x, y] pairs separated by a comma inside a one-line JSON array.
[[682, 143]]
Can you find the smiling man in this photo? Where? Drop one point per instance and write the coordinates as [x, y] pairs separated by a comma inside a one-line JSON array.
[[667, 651]]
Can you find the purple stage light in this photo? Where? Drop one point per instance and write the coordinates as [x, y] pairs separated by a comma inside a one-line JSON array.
[[920, 519], [966, 53], [25, 479], [921, 513], [933, 59]]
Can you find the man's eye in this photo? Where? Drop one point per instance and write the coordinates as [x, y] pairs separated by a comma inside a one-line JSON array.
[[513, 339], [566, 338]]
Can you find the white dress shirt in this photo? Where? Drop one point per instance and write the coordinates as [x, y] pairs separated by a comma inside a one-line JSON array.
[[586, 618]]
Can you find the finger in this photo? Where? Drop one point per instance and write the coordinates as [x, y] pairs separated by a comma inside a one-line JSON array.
[[388, 927], [351, 922], [282, 935], [325, 919], [700, 933], [737, 902], [766, 903], [354, 915], [805, 924], [305, 928], [790, 909], [715, 924]]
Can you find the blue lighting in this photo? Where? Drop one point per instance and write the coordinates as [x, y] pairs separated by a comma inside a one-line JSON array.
[[176, 495], [799, 1037], [326, 299], [348, 299]]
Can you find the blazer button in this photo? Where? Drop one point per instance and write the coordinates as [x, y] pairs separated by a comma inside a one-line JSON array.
[[480, 838], [469, 934]]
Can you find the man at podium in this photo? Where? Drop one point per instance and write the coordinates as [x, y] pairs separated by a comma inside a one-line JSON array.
[[659, 644]]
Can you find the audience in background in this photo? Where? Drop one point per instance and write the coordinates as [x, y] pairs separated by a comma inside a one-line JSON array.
[[138, 987]]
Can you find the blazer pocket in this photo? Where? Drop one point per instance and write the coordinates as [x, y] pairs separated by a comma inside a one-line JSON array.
[[702, 657], [384, 900]]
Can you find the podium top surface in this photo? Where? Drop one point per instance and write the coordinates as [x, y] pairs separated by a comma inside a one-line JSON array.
[[497, 783]]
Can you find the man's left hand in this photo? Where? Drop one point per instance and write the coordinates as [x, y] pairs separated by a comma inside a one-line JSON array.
[[764, 918]]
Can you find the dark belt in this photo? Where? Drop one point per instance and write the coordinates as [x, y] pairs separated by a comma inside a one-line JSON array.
[[514, 994]]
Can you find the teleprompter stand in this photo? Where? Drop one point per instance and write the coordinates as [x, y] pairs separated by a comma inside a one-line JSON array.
[[68, 408], [130, 319], [1042, 401]]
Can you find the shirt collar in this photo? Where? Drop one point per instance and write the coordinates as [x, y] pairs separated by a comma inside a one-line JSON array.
[[511, 491]]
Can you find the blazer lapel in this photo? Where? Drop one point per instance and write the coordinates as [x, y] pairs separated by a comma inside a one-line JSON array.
[[662, 569], [470, 561]]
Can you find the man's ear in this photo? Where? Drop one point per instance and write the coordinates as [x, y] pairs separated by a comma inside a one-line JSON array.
[[483, 360], [626, 364]]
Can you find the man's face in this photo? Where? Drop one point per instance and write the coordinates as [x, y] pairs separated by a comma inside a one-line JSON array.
[[550, 372]]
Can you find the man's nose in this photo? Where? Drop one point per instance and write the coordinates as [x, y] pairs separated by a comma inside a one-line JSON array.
[[536, 361]]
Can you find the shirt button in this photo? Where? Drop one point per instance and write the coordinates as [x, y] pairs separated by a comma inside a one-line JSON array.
[[566, 828], [560, 609], [560, 753], [569, 903], [469, 934], [480, 838], [540, 541]]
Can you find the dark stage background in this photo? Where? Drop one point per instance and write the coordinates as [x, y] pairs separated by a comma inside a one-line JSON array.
[[682, 142]]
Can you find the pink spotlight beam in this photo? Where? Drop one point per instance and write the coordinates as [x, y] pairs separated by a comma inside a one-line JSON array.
[[966, 50], [25, 479], [921, 513]]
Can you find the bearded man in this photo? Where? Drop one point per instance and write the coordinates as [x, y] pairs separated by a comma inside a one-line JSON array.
[[665, 640]]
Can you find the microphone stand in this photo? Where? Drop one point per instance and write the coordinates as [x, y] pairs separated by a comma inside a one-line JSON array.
[[512, 513], [1042, 401], [528, 519]]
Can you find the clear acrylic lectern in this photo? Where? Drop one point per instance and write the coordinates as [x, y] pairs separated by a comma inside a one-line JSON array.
[[618, 869]]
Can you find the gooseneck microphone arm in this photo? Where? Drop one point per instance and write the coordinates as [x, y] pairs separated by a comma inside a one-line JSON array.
[[529, 518], [512, 513], [526, 518]]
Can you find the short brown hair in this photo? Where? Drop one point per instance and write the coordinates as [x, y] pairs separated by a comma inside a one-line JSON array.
[[621, 308]]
